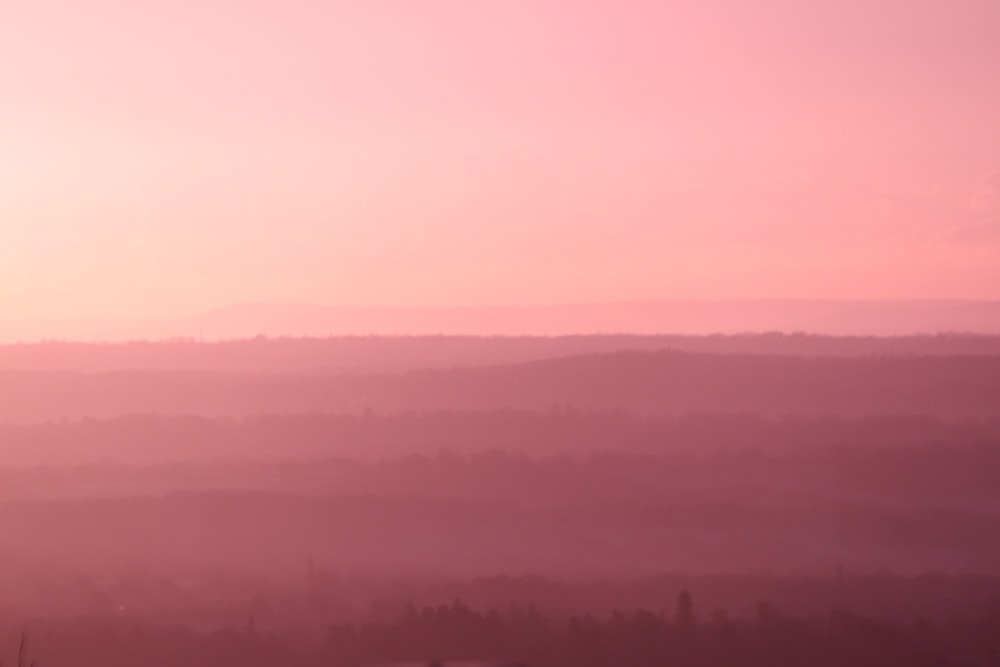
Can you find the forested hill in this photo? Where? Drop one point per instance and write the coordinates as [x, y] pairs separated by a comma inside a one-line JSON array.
[[666, 383], [400, 353]]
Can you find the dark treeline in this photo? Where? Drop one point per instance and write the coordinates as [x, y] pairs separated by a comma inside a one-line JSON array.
[[682, 637], [308, 597], [666, 383], [398, 353], [681, 634]]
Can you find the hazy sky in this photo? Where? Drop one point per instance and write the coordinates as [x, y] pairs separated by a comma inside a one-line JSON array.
[[160, 158]]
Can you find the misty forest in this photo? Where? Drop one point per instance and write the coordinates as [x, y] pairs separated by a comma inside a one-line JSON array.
[[583, 500], [499, 333]]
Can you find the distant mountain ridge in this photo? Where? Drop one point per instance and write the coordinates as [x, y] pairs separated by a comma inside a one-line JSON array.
[[833, 317]]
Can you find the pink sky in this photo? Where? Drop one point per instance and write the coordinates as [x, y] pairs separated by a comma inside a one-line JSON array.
[[162, 158]]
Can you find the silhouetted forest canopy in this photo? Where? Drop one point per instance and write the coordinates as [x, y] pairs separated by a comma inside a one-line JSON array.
[[683, 634]]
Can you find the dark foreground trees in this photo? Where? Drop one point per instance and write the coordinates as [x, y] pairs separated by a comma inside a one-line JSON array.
[[645, 638], [456, 633]]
